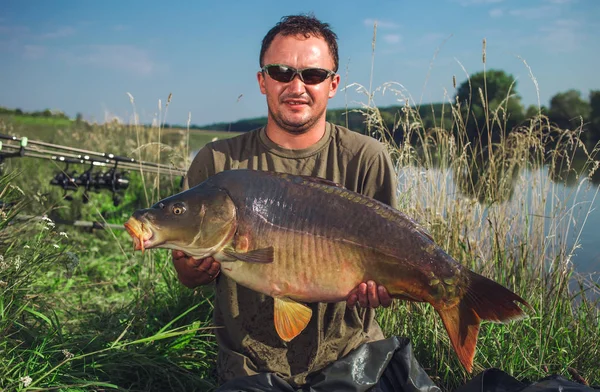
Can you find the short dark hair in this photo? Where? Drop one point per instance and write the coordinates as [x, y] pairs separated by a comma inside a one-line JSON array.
[[307, 25]]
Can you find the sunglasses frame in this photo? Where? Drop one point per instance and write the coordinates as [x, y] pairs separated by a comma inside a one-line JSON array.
[[297, 71]]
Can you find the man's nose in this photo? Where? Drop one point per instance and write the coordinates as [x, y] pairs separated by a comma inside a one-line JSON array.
[[296, 84]]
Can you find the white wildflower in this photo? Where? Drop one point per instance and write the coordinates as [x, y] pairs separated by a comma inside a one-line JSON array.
[[63, 234], [67, 354], [26, 381], [27, 247], [56, 246], [17, 261]]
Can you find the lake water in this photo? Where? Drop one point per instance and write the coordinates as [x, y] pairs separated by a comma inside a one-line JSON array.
[[575, 201]]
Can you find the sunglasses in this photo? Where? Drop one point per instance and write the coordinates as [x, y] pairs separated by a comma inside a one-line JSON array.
[[285, 74]]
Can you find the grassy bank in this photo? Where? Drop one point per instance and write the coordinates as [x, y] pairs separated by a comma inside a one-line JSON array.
[[79, 310]]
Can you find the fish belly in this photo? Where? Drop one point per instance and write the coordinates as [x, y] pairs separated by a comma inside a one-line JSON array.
[[306, 268]]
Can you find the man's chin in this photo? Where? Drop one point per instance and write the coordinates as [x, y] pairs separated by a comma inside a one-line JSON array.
[[295, 127]]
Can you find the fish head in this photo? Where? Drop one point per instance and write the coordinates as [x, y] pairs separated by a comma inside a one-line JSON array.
[[199, 221]]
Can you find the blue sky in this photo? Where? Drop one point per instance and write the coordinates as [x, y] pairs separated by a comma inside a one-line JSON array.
[[84, 56]]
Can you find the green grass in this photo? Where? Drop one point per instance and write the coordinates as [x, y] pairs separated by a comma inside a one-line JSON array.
[[79, 310]]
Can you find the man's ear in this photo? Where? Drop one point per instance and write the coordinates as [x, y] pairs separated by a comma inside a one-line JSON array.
[[260, 76], [333, 86]]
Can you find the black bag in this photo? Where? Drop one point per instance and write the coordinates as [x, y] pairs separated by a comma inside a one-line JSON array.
[[390, 366]]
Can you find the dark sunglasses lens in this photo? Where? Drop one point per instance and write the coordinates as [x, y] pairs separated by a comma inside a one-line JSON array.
[[314, 75], [281, 74]]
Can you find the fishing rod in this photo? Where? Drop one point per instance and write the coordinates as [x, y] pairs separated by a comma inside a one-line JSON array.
[[91, 179], [24, 142]]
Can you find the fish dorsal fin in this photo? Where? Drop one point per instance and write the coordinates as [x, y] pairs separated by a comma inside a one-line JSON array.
[[291, 318], [322, 181], [422, 230], [263, 255]]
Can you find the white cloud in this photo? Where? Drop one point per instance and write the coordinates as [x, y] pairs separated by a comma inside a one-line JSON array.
[[496, 12], [61, 32], [432, 39], [13, 31], [544, 11], [562, 36], [381, 24], [117, 57], [392, 38], [466, 3], [561, 1], [34, 52]]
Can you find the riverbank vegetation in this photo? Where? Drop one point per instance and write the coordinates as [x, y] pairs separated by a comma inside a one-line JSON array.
[[80, 311]]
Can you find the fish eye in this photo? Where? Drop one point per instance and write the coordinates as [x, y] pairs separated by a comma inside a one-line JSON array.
[[178, 209]]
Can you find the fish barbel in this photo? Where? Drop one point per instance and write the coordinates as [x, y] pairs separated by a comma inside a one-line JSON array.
[[304, 239]]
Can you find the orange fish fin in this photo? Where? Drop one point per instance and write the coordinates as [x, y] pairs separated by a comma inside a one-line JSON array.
[[264, 255], [291, 318], [462, 325], [483, 299]]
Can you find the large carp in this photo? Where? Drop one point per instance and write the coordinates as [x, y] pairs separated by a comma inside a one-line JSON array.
[[304, 239]]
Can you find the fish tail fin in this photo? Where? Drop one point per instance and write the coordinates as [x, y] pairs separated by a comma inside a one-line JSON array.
[[484, 299]]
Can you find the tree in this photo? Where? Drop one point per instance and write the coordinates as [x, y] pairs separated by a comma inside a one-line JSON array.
[[595, 114], [498, 90], [534, 110], [567, 109]]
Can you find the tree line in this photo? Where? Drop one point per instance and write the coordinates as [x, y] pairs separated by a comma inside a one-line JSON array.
[[488, 102]]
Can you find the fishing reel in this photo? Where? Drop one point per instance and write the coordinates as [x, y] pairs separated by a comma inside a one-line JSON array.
[[89, 181], [66, 181]]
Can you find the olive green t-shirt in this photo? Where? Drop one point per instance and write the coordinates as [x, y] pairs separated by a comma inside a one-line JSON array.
[[248, 343]]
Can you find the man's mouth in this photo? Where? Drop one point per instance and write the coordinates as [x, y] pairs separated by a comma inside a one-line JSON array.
[[295, 102]]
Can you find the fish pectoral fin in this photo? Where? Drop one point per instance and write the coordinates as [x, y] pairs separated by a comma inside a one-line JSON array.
[[264, 255], [291, 318]]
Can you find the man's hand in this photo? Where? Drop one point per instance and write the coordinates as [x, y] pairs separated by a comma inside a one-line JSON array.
[[369, 294], [192, 272]]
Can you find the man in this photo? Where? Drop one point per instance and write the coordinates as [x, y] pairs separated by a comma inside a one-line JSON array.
[[299, 61]]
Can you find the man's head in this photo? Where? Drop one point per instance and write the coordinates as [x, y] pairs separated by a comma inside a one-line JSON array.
[[297, 101], [308, 26]]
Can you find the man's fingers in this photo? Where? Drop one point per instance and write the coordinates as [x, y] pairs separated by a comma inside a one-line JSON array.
[[177, 254], [205, 265], [362, 295], [352, 299], [215, 268], [384, 296], [372, 294]]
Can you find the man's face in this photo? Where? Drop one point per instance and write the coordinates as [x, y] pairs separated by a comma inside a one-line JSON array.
[[294, 106]]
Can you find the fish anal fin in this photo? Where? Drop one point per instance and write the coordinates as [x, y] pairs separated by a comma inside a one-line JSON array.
[[291, 318], [263, 255]]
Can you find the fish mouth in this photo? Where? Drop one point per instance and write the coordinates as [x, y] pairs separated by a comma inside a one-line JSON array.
[[141, 234]]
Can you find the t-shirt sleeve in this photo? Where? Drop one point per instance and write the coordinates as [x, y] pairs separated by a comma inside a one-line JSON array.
[[202, 167], [381, 180]]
